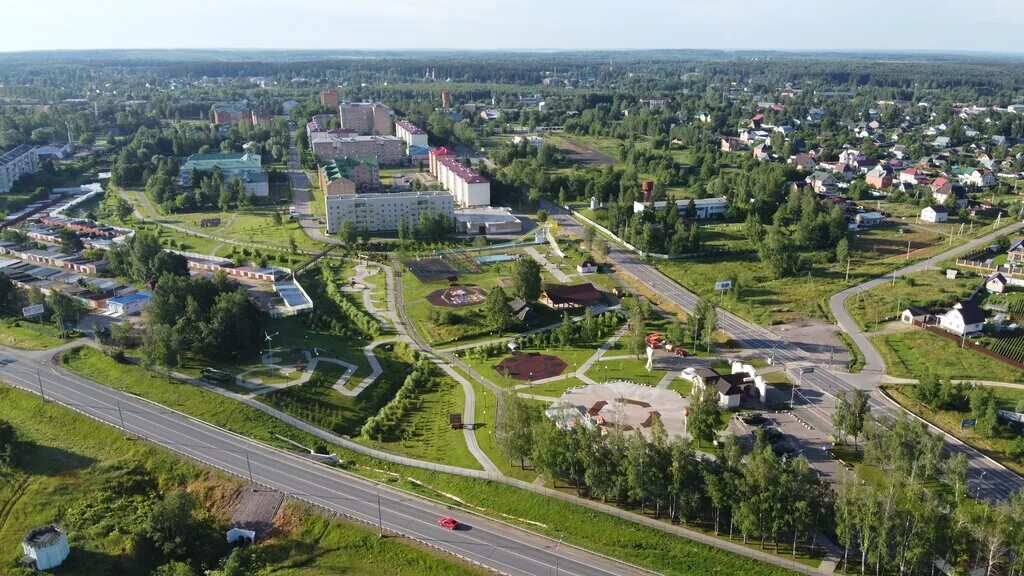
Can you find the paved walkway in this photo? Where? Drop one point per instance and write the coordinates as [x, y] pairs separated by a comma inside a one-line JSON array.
[[541, 259]]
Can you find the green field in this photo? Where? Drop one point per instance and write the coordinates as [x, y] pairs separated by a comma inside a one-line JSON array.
[[913, 353], [68, 462], [20, 333], [601, 532], [928, 289]]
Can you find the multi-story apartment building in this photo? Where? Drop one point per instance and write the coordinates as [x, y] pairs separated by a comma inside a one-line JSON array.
[[412, 135], [329, 145], [365, 117], [329, 99], [15, 163], [343, 176], [469, 188], [382, 212], [231, 112]]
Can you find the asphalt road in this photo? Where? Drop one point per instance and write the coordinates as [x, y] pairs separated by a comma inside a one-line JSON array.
[[502, 548], [817, 385]]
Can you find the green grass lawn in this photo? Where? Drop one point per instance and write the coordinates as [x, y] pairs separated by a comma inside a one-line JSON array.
[[426, 432], [631, 370], [925, 289], [912, 353], [769, 300], [601, 532], [20, 333], [552, 389], [573, 358], [998, 448], [67, 461]]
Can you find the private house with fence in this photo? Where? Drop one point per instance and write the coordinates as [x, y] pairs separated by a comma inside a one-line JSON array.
[[963, 318]]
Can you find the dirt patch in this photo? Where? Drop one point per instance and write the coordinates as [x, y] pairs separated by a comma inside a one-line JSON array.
[[531, 367], [585, 155]]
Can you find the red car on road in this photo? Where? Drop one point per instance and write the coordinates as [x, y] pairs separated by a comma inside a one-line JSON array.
[[449, 523]]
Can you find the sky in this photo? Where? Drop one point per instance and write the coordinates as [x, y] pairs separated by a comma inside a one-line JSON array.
[[935, 25]]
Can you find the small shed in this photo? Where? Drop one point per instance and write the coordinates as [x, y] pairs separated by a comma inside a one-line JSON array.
[[914, 315], [45, 548], [455, 420]]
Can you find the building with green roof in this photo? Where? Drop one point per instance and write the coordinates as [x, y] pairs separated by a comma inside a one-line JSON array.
[[246, 167], [349, 175]]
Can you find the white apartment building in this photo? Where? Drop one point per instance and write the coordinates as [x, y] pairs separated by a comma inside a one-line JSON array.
[[15, 163], [412, 134], [382, 212], [469, 188], [329, 146]]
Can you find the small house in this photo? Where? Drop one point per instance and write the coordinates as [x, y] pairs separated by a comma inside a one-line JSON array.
[[45, 548], [934, 214], [869, 218], [963, 318], [522, 311], [915, 315], [587, 267], [996, 283], [879, 177]]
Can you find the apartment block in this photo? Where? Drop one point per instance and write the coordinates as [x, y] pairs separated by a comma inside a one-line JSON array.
[[345, 176], [382, 212], [469, 188], [329, 99], [328, 146], [412, 135], [15, 163], [365, 117]]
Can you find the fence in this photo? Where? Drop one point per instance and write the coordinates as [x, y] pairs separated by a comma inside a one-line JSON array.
[[965, 343]]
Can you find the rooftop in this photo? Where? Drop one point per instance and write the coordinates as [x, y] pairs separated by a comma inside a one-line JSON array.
[[349, 137], [45, 536], [232, 107], [14, 153], [410, 127], [342, 167], [462, 171]]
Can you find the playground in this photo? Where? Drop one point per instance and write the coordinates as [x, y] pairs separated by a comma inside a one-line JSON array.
[[531, 367], [626, 406], [457, 296]]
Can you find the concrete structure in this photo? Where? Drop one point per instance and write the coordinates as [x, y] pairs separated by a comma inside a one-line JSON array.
[[328, 146], [128, 305], [46, 548], [382, 212], [365, 117], [15, 163], [487, 220], [412, 135], [707, 208], [628, 406], [446, 99], [330, 99], [342, 176], [934, 214], [963, 318], [469, 188], [246, 167]]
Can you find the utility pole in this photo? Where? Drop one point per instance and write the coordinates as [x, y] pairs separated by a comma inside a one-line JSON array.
[[248, 465], [120, 416], [380, 521], [848, 269], [39, 380], [908, 250], [559, 545]]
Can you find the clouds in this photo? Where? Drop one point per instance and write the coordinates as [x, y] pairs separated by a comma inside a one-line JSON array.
[[984, 25]]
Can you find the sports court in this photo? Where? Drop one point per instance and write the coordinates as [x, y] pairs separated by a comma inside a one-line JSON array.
[[531, 366]]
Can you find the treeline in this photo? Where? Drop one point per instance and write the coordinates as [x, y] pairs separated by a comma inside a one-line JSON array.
[[336, 314], [382, 425]]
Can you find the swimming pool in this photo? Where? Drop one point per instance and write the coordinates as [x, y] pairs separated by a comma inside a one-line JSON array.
[[493, 258]]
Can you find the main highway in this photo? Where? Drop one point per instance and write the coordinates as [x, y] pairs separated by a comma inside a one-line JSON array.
[[818, 386], [499, 547]]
